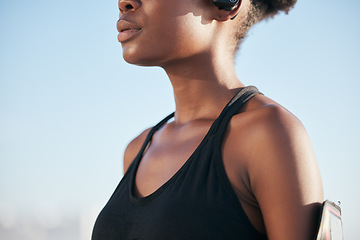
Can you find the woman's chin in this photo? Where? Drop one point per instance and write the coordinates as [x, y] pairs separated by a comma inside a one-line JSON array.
[[138, 59], [138, 62]]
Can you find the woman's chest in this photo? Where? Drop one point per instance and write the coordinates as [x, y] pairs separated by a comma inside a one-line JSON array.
[[168, 152]]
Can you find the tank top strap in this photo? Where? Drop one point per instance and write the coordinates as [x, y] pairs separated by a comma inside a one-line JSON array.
[[235, 104], [151, 133]]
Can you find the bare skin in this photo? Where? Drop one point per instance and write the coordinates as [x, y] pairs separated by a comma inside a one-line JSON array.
[[266, 151]]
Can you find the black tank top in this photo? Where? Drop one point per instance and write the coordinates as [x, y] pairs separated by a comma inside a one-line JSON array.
[[198, 202]]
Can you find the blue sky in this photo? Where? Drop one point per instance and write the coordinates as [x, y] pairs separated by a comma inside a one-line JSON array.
[[69, 104]]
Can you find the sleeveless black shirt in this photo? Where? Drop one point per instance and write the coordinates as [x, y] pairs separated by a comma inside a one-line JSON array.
[[198, 202]]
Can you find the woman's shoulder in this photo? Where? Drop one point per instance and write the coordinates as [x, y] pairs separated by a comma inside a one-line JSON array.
[[273, 131], [133, 148], [263, 129], [265, 118], [266, 127]]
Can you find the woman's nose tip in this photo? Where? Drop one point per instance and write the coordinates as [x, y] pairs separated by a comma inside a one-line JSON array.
[[128, 5]]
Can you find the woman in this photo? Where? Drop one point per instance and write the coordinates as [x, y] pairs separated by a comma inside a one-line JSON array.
[[231, 163]]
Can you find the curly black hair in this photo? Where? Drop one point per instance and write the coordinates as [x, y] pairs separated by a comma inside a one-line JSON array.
[[259, 10], [269, 8]]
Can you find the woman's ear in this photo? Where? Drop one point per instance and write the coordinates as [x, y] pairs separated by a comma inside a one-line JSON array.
[[224, 14]]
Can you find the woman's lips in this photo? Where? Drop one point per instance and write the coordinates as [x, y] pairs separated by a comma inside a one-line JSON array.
[[127, 34], [127, 30]]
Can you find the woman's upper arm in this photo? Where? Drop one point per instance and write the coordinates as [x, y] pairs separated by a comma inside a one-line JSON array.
[[133, 149], [285, 179]]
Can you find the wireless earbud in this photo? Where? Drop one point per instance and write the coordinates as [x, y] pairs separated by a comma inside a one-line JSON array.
[[226, 5]]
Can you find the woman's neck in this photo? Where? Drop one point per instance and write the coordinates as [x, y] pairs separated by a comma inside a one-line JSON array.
[[202, 87]]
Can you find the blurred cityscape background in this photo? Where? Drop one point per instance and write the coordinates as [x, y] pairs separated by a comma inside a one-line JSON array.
[[69, 105]]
